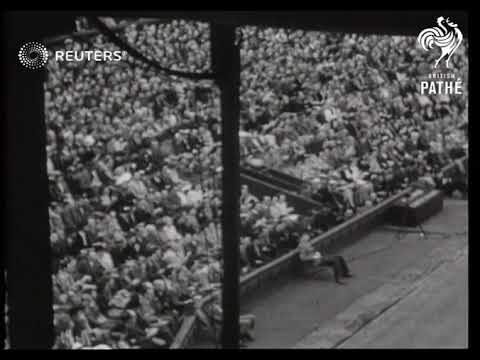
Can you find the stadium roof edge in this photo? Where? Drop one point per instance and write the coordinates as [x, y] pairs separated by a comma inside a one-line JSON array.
[[391, 22]]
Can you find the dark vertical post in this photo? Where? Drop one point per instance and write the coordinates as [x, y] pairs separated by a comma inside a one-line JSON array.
[[226, 64], [3, 327], [27, 241]]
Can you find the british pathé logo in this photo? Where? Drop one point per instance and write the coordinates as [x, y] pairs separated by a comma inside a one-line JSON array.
[[447, 36]]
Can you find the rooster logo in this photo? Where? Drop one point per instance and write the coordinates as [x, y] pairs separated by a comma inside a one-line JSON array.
[[447, 36]]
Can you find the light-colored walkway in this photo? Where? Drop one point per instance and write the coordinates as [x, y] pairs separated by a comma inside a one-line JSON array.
[[433, 316]]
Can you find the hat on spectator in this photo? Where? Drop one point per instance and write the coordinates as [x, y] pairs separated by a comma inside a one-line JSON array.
[[149, 133], [159, 284], [136, 282], [150, 228], [88, 141], [123, 178]]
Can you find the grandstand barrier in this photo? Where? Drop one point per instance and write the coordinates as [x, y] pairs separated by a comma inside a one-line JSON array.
[[260, 188], [333, 240], [286, 177], [276, 180], [185, 333], [190, 326], [278, 175]]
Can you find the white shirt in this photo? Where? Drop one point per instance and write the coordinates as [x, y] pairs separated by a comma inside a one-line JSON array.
[[194, 197], [105, 260], [171, 232], [172, 258]]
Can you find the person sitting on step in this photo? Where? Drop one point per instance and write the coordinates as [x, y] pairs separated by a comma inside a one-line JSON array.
[[310, 257]]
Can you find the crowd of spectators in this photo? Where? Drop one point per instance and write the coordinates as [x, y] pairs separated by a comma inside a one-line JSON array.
[[134, 165], [354, 124], [134, 162]]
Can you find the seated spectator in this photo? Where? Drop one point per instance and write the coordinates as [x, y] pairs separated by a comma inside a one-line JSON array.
[[310, 257]]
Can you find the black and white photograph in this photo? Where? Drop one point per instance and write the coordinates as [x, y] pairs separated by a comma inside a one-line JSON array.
[[236, 180]]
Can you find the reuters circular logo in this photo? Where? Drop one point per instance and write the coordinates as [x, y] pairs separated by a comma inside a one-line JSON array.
[[33, 55]]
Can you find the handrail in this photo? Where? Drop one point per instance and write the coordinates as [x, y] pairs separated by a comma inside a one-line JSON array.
[[184, 332]]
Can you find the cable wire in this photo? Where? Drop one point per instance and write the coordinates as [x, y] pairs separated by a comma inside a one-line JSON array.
[[122, 44]]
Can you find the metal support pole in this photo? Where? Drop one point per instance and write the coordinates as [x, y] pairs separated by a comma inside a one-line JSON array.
[[226, 65], [27, 241], [3, 326]]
